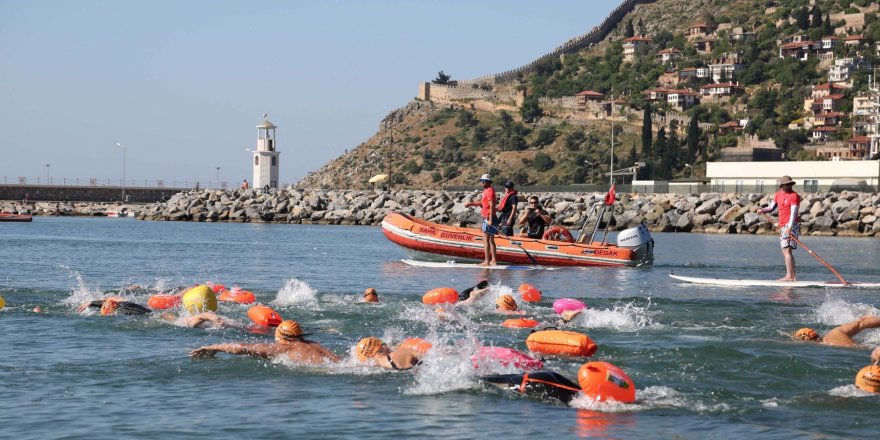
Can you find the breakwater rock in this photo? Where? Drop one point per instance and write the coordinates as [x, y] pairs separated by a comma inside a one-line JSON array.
[[77, 209], [845, 213]]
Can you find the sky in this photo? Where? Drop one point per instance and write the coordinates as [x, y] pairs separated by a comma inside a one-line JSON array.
[[183, 84]]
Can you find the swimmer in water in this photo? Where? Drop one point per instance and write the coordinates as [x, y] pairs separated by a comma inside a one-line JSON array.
[[370, 296], [289, 341], [842, 335], [471, 294], [506, 304], [201, 320], [373, 350], [115, 306]]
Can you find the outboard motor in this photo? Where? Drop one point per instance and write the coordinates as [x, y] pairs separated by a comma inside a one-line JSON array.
[[640, 241]]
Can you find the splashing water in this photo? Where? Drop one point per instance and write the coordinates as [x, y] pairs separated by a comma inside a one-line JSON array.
[[835, 311], [80, 293], [621, 317], [446, 368], [295, 292]]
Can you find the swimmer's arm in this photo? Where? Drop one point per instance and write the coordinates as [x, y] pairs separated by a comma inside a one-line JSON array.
[[475, 295], [255, 350], [93, 305], [875, 356]]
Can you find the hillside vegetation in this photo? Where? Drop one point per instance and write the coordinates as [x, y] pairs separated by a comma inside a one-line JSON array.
[[432, 144]]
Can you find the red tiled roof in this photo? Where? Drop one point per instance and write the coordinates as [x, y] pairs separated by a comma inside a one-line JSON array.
[[670, 50], [854, 37], [833, 97], [829, 38], [859, 140], [828, 86], [825, 128], [589, 93], [689, 69], [732, 124], [829, 115], [797, 45], [720, 85], [638, 38], [658, 90]]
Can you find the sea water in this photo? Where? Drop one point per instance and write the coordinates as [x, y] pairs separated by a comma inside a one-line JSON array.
[[708, 362]]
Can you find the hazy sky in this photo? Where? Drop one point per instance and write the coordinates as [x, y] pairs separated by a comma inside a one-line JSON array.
[[182, 84]]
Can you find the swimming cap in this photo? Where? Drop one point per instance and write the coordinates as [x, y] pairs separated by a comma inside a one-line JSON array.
[[807, 334], [109, 307], [288, 330], [2, 302], [368, 347], [370, 295], [868, 379], [506, 302], [200, 299]]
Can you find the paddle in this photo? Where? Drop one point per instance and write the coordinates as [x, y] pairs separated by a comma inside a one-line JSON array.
[[811, 252], [516, 243]]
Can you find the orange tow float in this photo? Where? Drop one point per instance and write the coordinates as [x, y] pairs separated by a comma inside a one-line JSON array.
[[529, 293], [163, 301], [237, 295], [520, 323], [417, 344], [440, 295], [265, 316], [604, 381], [561, 342]]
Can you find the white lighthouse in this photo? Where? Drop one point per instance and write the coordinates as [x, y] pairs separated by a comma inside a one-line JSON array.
[[265, 160]]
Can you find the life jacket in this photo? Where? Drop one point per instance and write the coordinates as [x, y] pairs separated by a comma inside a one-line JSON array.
[[503, 205]]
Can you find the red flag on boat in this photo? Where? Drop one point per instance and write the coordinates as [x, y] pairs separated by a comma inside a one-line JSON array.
[[610, 198]]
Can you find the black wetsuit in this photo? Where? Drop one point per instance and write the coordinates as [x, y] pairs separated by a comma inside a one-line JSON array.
[[124, 307], [466, 293], [545, 385]]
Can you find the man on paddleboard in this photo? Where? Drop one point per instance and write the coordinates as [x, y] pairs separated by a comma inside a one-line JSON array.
[[788, 202], [490, 222], [843, 334]]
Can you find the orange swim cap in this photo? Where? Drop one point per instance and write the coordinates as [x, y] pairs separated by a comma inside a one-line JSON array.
[[368, 347], [807, 334], [506, 302], [109, 307], [868, 379], [288, 330], [370, 295]]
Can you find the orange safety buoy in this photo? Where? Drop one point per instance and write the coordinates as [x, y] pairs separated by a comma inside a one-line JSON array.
[[558, 233], [217, 288], [529, 293], [604, 381], [417, 344], [238, 296], [520, 323], [868, 379], [163, 301], [440, 295], [561, 342], [265, 316]]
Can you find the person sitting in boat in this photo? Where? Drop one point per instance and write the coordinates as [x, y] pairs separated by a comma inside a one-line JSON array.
[[373, 350], [507, 209], [114, 306], [370, 296], [289, 341], [534, 219], [842, 335]]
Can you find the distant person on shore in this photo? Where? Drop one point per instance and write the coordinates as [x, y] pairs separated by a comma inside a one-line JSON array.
[[370, 296], [375, 351], [289, 341], [245, 184], [534, 219], [114, 306], [788, 202], [507, 209], [489, 225], [843, 334]]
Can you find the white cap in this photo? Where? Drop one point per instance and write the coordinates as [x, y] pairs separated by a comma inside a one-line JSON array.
[[485, 177]]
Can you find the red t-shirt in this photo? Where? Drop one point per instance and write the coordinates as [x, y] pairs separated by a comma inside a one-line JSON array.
[[784, 201], [488, 201]]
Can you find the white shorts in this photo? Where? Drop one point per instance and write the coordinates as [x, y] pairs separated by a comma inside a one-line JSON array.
[[785, 236]]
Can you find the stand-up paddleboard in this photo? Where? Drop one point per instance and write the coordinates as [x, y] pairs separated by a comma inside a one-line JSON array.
[[771, 283], [455, 264]]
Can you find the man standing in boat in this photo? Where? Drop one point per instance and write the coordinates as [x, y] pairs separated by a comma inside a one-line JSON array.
[[507, 209], [490, 223], [788, 202]]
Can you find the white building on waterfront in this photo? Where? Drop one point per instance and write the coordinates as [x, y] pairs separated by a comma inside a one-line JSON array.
[[811, 176], [265, 156]]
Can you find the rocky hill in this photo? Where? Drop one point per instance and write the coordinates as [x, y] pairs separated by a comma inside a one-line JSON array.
[[650, 72]]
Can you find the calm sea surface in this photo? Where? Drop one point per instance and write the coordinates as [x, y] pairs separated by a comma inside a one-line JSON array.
[[708, 362]]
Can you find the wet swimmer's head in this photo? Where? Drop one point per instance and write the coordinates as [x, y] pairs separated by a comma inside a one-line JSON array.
[[506, 302], [371, 296], [288, 331], [369, 347], [113, 306], [868, 379], [807, 334], [109, 307]]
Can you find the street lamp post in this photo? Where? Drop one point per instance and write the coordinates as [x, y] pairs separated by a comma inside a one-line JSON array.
[[218, 177], [687, 165], [123, 169], [591, 170], [48, 178]]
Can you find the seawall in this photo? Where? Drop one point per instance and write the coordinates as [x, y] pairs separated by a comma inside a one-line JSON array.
[[63, 193], [843, 214]]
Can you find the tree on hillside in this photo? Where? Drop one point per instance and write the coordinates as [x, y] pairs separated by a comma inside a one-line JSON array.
[[802, 18], [530, 109], [574, 140], [661, 170], [466, 119], [442, 78], [693, 141], [506, 120], [480, 136], [816, 21], [629, 32], [827, 28], [543, 162], [641, 27], [647, 135]]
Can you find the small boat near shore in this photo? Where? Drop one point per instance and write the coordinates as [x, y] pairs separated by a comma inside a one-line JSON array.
[[118, 214], [8, 217], [427, 240]]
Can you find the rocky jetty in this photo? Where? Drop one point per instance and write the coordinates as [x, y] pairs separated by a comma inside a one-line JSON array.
[[77, 209], [845, 213]]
